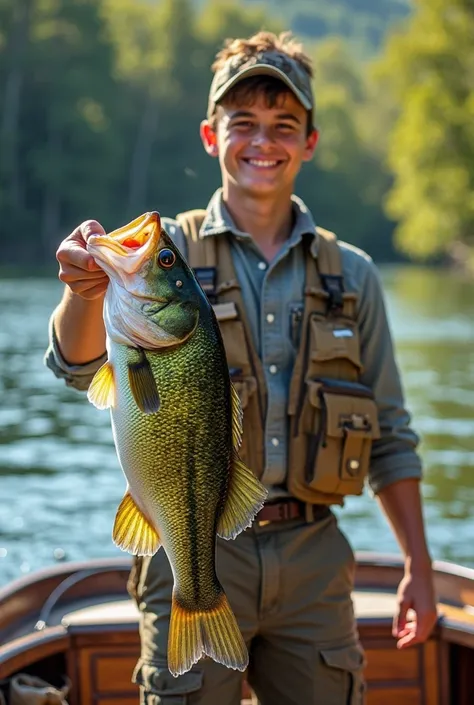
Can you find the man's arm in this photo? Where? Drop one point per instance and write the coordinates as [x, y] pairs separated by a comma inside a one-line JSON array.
[[401, 504], [79, 328], [396, 471]]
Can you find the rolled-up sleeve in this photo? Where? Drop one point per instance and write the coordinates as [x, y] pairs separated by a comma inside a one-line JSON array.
[[394, 456]]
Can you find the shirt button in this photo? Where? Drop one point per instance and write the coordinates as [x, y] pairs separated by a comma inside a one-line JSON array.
[[275, 442], [270, 318], [262, 266], [273, 369]]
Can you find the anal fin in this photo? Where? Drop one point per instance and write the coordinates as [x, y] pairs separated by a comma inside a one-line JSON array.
[[101, 390], [132, 531], [245, 497]]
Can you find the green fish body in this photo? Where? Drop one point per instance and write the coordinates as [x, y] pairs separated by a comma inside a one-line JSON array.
[[177, 425]]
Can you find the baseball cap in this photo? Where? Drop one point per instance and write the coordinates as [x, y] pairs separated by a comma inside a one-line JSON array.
[[269, 63]]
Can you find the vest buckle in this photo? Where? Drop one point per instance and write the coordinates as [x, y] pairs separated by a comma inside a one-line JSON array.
[[207, 278], [333, 285]]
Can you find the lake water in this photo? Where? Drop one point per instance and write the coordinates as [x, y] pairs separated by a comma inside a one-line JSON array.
[[60, 482]]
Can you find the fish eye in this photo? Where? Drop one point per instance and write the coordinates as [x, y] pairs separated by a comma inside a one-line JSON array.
[[166, 258]]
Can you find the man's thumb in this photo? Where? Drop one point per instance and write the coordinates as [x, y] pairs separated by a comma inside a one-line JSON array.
[[90, 227]]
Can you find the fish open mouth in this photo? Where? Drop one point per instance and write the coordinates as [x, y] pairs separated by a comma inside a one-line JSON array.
[[133, 236], [124, 250]]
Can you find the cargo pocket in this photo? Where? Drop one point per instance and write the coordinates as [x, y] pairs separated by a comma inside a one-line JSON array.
[[339, 675], [161, 688], [334, 343], [341, 425], [134, 578]]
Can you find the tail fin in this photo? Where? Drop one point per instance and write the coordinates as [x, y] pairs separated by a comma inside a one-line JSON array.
[[211, 632]]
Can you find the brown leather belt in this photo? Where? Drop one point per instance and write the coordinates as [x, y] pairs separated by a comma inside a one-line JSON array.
[[289, 509]]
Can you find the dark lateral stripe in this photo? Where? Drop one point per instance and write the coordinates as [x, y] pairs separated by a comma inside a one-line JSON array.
[[193, 521]]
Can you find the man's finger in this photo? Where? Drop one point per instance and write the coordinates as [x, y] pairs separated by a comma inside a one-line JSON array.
[[400, 619], [71, 273], [73, 254], [91, 227], [73, 250], [408, 639], [95, 291], [425, 621]]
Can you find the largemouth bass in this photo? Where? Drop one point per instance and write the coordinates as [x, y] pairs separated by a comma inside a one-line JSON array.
[[177, 425]]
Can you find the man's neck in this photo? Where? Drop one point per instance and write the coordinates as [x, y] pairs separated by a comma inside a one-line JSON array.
[[268, 222]]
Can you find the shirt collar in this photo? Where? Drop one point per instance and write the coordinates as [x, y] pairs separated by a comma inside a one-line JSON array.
[[218, 220]]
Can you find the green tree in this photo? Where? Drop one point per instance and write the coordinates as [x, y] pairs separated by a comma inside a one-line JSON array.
[[430, 67], [56, 123], [14, 35], [345, 184]]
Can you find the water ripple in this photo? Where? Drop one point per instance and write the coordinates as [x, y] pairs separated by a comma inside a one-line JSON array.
[[60, 482]]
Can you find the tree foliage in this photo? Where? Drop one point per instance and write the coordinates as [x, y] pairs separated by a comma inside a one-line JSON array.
[[430, 67], [363, 23], [100, 105]]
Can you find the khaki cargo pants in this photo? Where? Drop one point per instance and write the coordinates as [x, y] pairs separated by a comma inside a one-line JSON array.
[[289, 584]]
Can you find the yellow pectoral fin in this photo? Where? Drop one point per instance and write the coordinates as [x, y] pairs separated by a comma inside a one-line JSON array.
[[133, 532], [237, 418], [245, 497], [142, 382], [101, 390]]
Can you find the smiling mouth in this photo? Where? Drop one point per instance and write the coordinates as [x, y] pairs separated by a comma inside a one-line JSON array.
[[263, 163]]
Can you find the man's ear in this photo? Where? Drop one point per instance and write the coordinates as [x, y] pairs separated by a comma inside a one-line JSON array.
[[209, 138], [311, 142]]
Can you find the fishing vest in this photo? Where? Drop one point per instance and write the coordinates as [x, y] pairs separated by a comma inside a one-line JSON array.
[[333, 417]]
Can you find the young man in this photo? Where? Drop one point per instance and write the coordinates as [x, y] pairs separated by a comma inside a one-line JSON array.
[[310, 352]]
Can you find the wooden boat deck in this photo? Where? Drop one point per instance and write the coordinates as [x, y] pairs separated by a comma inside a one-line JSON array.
[[92, 636]]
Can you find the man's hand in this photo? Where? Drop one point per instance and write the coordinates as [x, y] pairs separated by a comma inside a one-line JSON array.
[[77, 268], [415, 593], [401, 503]]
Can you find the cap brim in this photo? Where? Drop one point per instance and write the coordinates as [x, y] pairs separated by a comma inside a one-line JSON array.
[[262, 70]]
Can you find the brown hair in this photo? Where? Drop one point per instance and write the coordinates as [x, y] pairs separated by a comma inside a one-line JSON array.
[[260, 42], [246, 91]]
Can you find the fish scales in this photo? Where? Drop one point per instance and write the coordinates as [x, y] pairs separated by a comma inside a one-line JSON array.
[[172, 453]]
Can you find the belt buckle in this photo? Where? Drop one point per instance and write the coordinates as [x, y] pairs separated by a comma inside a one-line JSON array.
[[283, 513]]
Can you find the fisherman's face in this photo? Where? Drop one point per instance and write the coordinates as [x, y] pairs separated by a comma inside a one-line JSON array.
[[260, 149]]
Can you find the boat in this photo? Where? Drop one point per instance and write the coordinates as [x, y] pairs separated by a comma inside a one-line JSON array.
[[76, 620]]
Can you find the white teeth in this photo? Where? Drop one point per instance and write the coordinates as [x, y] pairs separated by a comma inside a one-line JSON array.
[[261, 162]]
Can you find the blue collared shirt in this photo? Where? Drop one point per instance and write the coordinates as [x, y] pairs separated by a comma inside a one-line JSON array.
[[273, 298]]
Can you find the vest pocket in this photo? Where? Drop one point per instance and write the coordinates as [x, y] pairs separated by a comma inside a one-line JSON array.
[[341, 425], [334, 339], [235, 343]]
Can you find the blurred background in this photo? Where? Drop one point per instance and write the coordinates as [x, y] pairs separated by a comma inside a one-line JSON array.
[[100, 103]]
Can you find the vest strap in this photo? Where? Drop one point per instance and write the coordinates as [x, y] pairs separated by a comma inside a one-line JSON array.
[[334, 287], [201, 251], [329, 255], [330, 269]]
